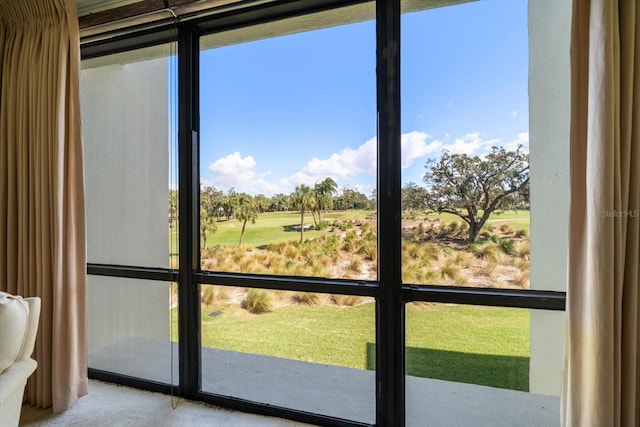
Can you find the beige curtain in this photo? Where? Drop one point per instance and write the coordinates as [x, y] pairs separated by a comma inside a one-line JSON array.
[[42, 231], [601, 376]]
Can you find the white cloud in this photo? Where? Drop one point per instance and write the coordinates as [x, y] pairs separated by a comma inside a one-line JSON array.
[[513, 113], [238, 172], [204, 183], [473, 144], [521, 139], [232, 169], [414, 146], [470, 144], [365, 189], [349, 162], [343, 165]]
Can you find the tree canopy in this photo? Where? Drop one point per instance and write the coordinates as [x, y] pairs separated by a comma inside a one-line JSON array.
[[473, 187]]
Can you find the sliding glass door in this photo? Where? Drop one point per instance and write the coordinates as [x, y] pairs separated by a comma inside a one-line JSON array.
[[131, 211], [280, 221]]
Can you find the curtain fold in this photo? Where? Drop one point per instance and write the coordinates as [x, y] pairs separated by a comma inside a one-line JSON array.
[[42, 220], [601, 373]]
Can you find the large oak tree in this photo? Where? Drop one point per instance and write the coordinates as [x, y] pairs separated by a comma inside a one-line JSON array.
[[473, 187]]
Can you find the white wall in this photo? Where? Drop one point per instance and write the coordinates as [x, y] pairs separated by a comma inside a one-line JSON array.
[[549, 109], [125, 131]]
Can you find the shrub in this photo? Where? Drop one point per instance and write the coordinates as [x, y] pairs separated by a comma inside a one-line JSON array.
[[450, 270], [247, 265], [344, 226], [420, 275], [488, 268], [355, 265], [318, 270], [523, 250], [330, 244], [305, 250], [323, 224], [431, 251], [319, 260], [237, 254], [308, 298], [277, 247], [258, 301], [495, 238], [369, 250], [410, 273], [208, 295], [463, 259], [291, 251], [520, 279], [412, 250], [487, 251], [261, 257], [521, 264], [521, 233], [507, 229], [507, 246], [453, 227], [373, 267], [346, 300], [350, 243]]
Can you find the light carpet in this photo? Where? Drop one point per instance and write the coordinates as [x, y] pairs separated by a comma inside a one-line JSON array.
[[114, 405]]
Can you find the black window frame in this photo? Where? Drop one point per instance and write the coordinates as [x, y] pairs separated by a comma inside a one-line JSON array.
[[390, 294]]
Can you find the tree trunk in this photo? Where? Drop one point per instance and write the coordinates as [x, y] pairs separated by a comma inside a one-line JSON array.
[[474, 229], [244, 223], [301, 226]]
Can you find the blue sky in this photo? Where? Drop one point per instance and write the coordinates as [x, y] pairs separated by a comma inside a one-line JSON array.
[[283, 111]]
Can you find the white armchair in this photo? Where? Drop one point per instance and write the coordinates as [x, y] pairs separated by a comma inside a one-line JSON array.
[[18, 327]]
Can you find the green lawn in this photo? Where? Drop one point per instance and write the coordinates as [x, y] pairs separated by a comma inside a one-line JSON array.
[[274, 227], [472, 344], [479, 345]]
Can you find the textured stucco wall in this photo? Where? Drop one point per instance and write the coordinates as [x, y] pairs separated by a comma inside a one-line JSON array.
[[549, 113]]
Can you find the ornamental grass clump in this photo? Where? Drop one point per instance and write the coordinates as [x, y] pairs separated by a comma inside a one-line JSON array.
[[308, 298], [346, 300], [258, 301]]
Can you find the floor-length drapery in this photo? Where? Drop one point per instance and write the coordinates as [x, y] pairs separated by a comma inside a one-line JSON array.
[[601, 374], [42, 230]]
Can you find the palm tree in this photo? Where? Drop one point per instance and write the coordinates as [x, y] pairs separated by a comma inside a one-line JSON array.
[[246, 211], [207, 225], [303, 199], [324, 190]]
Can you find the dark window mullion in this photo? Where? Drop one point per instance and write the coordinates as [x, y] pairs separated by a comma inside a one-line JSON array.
[[189, 238], [516, 298], [390, 348], [133, 272], [290, 283]]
